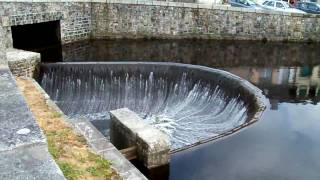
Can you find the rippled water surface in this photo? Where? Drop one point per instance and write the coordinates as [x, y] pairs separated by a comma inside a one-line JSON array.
[[284, 144]]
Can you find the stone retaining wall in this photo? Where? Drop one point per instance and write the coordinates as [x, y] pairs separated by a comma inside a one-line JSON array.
[[85, 19], [127, 18]]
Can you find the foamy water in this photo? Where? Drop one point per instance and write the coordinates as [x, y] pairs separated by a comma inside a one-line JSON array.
[[180, 104]]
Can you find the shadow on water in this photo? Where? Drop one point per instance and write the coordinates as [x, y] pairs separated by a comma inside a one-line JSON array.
[[157, 173], [284, 144]]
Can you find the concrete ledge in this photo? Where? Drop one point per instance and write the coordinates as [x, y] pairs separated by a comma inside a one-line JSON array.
[[98, 143], [31, 162], [15, 116], [23, 147], [23, 63], [128, 129]]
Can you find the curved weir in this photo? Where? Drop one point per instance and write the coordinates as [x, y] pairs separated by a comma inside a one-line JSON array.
[[190, 103]]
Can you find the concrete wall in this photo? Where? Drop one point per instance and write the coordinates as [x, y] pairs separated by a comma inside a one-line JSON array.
[[186, 20]]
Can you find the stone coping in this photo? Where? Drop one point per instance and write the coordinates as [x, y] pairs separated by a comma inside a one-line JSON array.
[[174, 4], [97, 142], [20, 55], [23, 63]]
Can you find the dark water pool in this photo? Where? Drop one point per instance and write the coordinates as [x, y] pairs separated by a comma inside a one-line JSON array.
[[284, 144]]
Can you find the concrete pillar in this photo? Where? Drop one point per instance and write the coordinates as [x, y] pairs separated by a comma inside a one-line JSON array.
[[128, 129]]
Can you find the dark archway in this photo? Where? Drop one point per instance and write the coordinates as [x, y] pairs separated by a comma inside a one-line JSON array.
[[44, 38]]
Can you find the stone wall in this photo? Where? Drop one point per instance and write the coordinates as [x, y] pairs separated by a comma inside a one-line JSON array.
[[3, 60], [74, 17], [124, 18], [23, 63], [85, 19]]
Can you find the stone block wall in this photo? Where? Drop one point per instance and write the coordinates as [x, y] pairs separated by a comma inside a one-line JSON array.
[[74, 17], [3, 58], [85, 19], [156, 19], [23, 63]]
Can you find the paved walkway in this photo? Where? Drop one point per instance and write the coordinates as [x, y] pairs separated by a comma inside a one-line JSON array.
[[23, 147]]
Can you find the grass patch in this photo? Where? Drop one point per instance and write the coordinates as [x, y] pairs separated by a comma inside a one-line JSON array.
[[70, 171], [69, 149]]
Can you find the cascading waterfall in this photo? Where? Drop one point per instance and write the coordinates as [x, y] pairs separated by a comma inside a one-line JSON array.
[[185, 104]]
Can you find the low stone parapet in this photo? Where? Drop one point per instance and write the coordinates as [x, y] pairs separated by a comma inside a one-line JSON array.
[[127, 129], [23, 63]]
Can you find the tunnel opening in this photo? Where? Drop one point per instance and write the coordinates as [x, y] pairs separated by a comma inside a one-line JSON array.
[[43, 38]]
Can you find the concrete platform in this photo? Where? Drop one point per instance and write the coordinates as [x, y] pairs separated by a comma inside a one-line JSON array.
[[15, 115], [29, 162], [23, 147]]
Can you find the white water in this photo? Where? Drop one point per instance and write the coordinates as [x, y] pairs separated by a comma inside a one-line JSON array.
[[182, 106]]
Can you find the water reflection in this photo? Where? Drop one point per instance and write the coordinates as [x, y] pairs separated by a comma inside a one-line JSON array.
[[284, 84], [283, 145], [287, 72], [202, 52]]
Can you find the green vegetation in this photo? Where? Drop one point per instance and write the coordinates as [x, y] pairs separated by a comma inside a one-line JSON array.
[[70, 171]]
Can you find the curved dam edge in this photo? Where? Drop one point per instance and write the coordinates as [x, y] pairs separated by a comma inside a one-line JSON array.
[[255, 97]]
